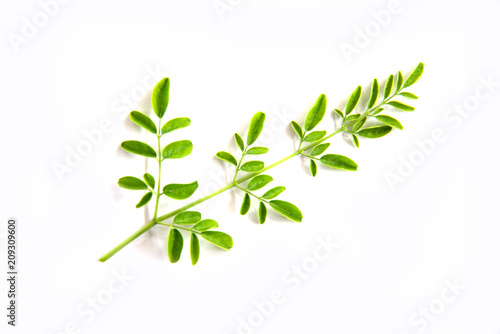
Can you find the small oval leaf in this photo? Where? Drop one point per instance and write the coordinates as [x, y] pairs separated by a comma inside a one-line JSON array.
[[252, 166], [139, 148], [399, 81], [227, 157], [287, 209], [355, 140], [175, 124], [245, 205], [353, 100], [178, 149], [298, 130], [160, 97], [315, 136], [351, 118], [144, 200], [272, 193], [389, 84], [359, 124], [313, 168], [401, 106], [315, 115], [262, 213], [187, 218], [219, 239], [390, 121], [374, 94], [205, 224], [194, 249], [415, 75], [338, 162], [256, 126], [320, 149], [258, 150], [375, 131], [410, 96], [239, 142], [258, 182], [339, 113], [150, 180], [180, 191], [143, 121], [132, 183], [175, 242]]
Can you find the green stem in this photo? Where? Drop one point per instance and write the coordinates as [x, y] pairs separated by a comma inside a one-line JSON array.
[[158, 193], [158, 220]]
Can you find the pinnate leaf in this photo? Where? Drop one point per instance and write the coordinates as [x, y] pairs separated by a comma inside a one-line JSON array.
[[353, 100], [256, 126], [400, 106], [262, 213], [150, 180], [174, 124], [258, 150], [390, 121], [187, 218], [415, 75], [205, 225], [239, 141], [252, 166], [320, 149], [144, 200], [245, 205], [315, 115], [389, 84], [315, 136], [298, 130], [272, 193], [219, 239], [313, 167], [194, 249], [160, 97], [374, 93], [375, 131], [227, 157]]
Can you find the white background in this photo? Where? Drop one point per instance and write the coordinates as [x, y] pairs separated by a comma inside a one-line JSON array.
[[400, 246]]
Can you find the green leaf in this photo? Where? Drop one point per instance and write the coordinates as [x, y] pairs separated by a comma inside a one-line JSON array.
[[245, 205], [399, 81], [150, 180], [390, 121], [415, 75], [132, 183], [339, 162], [389, 84], [180, 191], [258, 182], [315, 115], [144, 200], [175, 242], [262, 213], [320, 149], [410, 96], [313, 168], [187, 218], [174, 124], [258, 150], [359, 124], [159, 99], [400, 106], [178, 149], [239, 142], [351, 118], [339, 113], [376, 111], [219, 239], [287, 209], [256, 126], [375, 131], [143, 121], [227, 157], [298, 130], [374, 94], [252, 166], [194, 249], [353, 100], [315, 136], [355, 140], [205, 224], [272, 193], [139, 148]]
